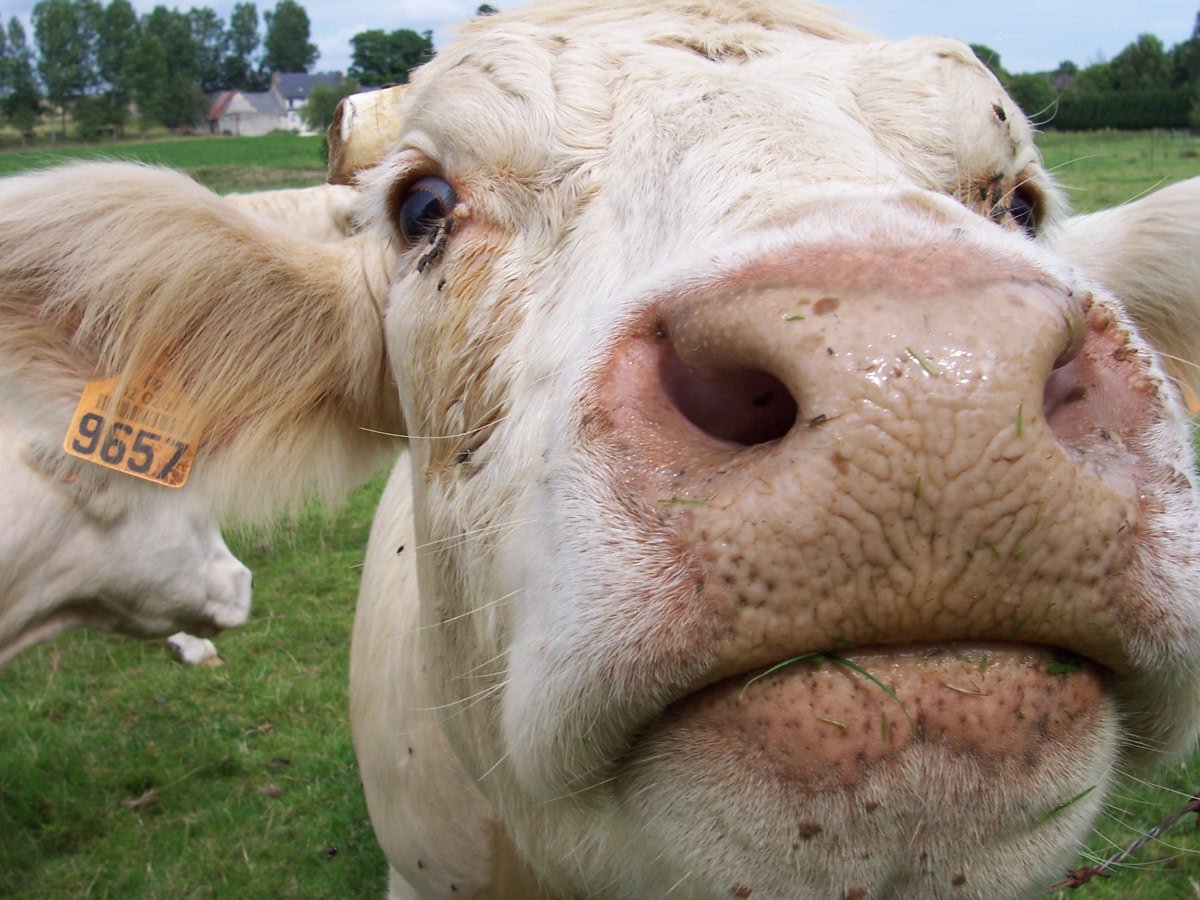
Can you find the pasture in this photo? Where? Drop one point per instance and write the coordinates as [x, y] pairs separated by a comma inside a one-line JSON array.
[[125, 774]]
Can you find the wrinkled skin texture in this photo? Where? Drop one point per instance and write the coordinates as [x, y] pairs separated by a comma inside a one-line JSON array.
[[737, 352]]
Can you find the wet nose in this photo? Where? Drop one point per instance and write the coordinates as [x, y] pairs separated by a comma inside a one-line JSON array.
[[882, 443]]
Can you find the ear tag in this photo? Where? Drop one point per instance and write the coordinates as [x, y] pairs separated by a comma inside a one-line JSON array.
[[141, 433]]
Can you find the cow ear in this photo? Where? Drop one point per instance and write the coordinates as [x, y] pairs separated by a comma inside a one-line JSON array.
[[364, 130], [266, 348], [1147, 253]]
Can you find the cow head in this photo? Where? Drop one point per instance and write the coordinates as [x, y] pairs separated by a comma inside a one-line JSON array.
[[81, 550], [789, 520]]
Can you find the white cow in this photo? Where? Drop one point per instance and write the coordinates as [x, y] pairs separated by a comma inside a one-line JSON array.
[[327, 212], [781, 517], [78, 548]]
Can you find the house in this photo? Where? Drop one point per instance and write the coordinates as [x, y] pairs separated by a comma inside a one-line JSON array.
[[248, 113], [245, 113], [293, 89]]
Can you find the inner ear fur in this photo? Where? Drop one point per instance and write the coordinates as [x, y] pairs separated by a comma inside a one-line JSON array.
[[276, 341]]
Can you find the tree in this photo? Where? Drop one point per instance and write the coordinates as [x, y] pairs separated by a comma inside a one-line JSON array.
[[117, 36], [211, 42], [323, 99], [287, 46], [165, 66], [485, 9], [1096, 78], [1185, 61], [991, 59], [20, 101], [381, 57], [65, 34], [241, 66], [1034, 94], [1142, 66]]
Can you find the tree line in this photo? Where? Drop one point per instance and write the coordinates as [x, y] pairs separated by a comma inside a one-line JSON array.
[[378, 58], [1144, 86], [97, 62]]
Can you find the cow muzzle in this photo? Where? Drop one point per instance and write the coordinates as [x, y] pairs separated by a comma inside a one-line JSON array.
[[911, 493]]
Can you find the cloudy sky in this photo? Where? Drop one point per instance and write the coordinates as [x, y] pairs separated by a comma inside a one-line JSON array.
[[1030, 35]]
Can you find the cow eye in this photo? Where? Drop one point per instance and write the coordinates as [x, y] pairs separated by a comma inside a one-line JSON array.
[[425, 206], [1024, 211]]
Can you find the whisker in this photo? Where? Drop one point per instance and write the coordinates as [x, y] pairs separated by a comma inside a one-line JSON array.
[[466, 702], [583, 790], [469, 673], [685, 877], [435, 437], [473, 611], [493, 766], [471, 534]]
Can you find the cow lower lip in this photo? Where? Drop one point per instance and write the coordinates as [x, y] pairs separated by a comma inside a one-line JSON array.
[[817, 777], [828, 721]]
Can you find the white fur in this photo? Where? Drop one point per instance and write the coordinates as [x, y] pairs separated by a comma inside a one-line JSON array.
[[327, 212]]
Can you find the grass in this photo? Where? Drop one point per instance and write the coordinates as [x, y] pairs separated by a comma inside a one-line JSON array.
[[1105, 168], [124, 774], [223, 163]]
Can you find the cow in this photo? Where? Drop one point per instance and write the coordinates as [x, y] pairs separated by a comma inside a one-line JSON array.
[[781, 516], [326, 212], [83, 546], [79, 548]]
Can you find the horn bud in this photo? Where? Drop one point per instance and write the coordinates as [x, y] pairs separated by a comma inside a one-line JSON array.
[[364, 128]]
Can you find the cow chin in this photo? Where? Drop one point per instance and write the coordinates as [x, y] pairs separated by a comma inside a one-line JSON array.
[[917, 771]]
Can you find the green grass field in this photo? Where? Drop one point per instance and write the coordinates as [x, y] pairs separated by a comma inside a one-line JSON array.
[[1102, 169], [223, 163], [126, 775]]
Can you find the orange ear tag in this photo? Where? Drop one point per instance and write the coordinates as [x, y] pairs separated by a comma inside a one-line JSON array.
[[140, 434]]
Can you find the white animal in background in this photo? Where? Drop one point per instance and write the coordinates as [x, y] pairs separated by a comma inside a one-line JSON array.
[[327, 212], [78, 548], [781, 518]]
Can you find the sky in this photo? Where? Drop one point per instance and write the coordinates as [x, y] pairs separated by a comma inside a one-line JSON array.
[[1029, 35]]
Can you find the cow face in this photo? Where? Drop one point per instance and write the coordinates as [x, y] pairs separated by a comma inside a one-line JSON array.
[[789, 520], [81, 550]]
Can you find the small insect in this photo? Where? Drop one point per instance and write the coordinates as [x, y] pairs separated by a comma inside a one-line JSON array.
[[437, 238]]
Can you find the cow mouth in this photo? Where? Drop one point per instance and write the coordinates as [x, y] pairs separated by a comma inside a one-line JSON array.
[[881, 771], [827, 721]]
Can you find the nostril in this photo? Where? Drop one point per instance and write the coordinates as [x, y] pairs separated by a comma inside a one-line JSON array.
[[1064, 387], [1098, 388], [1066, 384], [742, 406]]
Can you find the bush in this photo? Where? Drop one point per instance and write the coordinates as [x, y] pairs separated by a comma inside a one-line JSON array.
[[317, 113], [96, 117], [1034, 94], [1124, 110]]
